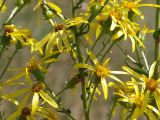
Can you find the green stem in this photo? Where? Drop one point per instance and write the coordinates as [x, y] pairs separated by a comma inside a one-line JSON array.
[[2, 4], [108, 50], [112, 110], [1, 52], [103, 48], [8, 63], [13, 13], [60, 106], [157, 40], [91, 98], [126, 54], [83, 26], [59, 93], [94, 45], [82, 78]]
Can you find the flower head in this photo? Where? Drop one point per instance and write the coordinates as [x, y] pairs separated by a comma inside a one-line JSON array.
[[101, 72]]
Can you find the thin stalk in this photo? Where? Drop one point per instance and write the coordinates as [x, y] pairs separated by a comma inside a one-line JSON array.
[[138, 56], [61, 107], [8, 63], [112, 110], [59, 93], [103, 48], [1, 52], [2, 4], [94, 45], [83, 84], [157, 40], [108, 50], [13, 13], [125, 53], [83, 26], [91, 98]]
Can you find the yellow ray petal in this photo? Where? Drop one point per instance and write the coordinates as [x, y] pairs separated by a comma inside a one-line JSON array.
[[48, 99], [105, 88], [35, 101], [151, 70]]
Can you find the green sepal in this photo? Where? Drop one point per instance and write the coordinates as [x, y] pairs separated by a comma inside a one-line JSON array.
[[39, 75], [5, 40], [107, 24], [131, 15], [156, 34]]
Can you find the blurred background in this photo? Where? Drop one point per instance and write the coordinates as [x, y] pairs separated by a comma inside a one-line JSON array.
[[63, 70]]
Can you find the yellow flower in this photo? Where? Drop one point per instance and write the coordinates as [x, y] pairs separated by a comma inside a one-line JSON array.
[[35, 67], [36, 90], [25, 113], [101, 72], [16, 35], [134, 6], [138, 101], [61, 37], [149, 83]]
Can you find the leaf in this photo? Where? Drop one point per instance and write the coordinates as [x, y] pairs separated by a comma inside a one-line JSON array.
[[48, 99], [151, 70], [35, 102], [105, 87]]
